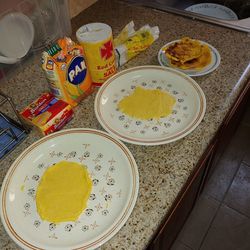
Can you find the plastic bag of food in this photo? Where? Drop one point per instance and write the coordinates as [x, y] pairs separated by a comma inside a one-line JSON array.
[[126, 32], [135, 42], [66, 71]]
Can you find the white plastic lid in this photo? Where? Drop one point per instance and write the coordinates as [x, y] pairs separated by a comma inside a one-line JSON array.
[[17, 35], [93, 32]]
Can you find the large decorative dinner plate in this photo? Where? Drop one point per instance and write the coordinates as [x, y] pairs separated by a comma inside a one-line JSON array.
[[187, 113], [115, 186], [213, 65]]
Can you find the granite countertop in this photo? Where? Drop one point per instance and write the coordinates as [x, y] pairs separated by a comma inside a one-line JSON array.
[[163, 169]]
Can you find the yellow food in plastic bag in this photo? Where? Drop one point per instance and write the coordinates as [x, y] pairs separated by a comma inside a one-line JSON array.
[[126, 32], [135, 43]]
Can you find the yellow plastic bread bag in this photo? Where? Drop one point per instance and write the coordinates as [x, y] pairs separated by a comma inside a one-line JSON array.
[[130, 43]]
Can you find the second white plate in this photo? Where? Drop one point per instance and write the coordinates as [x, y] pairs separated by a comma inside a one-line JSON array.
[[215, 62], [115, 178], [187, 112]]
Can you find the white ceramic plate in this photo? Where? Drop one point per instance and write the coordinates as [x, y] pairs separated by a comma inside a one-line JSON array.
[[187, 112], [215, 61], [17, 35], [213, 10], [115, 187]]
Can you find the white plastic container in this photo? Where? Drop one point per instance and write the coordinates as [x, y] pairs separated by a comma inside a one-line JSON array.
[[97, 42]]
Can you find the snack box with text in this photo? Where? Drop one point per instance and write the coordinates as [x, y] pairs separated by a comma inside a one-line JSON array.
[[47, 113]]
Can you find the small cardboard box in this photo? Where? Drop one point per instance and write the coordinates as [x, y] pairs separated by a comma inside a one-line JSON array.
[[47, 113]]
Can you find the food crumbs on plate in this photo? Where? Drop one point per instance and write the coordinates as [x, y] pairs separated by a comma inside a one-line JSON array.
[[147, 104], [63, 192]]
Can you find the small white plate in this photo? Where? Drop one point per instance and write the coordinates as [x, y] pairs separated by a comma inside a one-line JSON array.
[[17, 35], [115, 187], [215, 61], [188, 110], [213, 10]]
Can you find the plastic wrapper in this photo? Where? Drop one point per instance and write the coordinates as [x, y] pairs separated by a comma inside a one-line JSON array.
[[129, 43], [126, 32]]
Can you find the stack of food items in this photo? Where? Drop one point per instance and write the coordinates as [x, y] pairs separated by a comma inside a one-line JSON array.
[[188, 54], [69, 81], [72, 70]]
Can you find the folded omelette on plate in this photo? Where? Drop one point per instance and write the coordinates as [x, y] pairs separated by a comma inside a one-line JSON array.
[[63, 192], [147, 104], [188, 54]]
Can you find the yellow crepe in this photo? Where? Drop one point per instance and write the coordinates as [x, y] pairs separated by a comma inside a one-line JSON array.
[[63, 192], [147, 104]]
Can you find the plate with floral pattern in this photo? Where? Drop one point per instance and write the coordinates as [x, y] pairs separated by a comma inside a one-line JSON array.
[[187, 112], [115, 179], [213, 10], [213, 65]]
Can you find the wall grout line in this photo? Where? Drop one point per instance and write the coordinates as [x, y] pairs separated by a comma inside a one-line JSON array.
[[186, 245], [222, 200], [210, 224], [247, 164], [236, 172], [245, 123], [235, 210], [220, 204]]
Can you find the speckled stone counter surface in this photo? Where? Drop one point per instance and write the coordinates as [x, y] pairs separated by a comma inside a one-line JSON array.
[[163, 169]]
